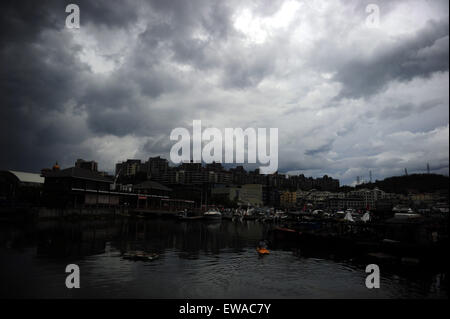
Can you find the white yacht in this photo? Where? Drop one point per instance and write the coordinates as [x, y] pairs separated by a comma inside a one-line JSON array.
[[212, 214]]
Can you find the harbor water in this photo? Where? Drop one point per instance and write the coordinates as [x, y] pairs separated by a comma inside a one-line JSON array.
[[197, 259]]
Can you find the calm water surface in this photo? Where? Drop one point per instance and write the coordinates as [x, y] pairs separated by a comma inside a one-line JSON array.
[[197, 260]]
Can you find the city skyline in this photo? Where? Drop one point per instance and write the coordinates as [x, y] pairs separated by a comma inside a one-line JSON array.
[[157, 162], [347, 98]]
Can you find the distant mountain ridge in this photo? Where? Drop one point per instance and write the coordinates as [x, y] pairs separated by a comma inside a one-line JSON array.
[[421, 183]]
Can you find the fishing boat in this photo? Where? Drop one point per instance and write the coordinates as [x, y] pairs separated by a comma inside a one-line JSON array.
[[212, 215]]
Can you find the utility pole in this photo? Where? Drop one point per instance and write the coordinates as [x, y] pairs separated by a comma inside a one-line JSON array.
[[428, 168], [370, 176], [406, 172]]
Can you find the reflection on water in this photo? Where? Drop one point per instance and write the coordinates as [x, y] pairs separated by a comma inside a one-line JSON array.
[[197, 260]]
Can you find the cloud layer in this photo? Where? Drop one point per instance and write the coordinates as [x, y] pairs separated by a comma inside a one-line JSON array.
[[346, 98]]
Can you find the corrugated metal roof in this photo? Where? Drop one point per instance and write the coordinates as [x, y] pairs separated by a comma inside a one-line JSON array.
[[151, 185], [25, 177], [77, 172]]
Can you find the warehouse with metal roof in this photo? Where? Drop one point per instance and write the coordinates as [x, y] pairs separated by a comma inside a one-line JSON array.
[[22, 188]]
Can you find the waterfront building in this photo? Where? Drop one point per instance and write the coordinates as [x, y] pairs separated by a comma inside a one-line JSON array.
[[153, 188], [79, 188], [76, 187], [156, 191], [288, 199], [20, 188]]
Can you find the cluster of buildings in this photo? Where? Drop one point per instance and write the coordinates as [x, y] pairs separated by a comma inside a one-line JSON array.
[[82, 186], [151, 184], [213, 183], [362, 199], [154, 184], [356, 199], [158, 169]]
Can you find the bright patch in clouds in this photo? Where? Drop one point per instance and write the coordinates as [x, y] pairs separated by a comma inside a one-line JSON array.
[[258, 29]]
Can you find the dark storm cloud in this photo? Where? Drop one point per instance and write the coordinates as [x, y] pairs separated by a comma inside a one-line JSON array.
[[115, 106], [405, 110], [39, 76], [321, 149], [248, 72], [124, 103], [176, 32], [178, 21], [36, 80], [22, 20], [419, 55], [213, 16]]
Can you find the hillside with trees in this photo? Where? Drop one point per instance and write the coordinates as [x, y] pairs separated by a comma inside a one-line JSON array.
[[415, 183]]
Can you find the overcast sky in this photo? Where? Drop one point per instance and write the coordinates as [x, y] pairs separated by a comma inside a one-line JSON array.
[[346, 97]]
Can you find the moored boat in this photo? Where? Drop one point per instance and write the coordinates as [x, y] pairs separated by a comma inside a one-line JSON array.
[[212, 215]]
